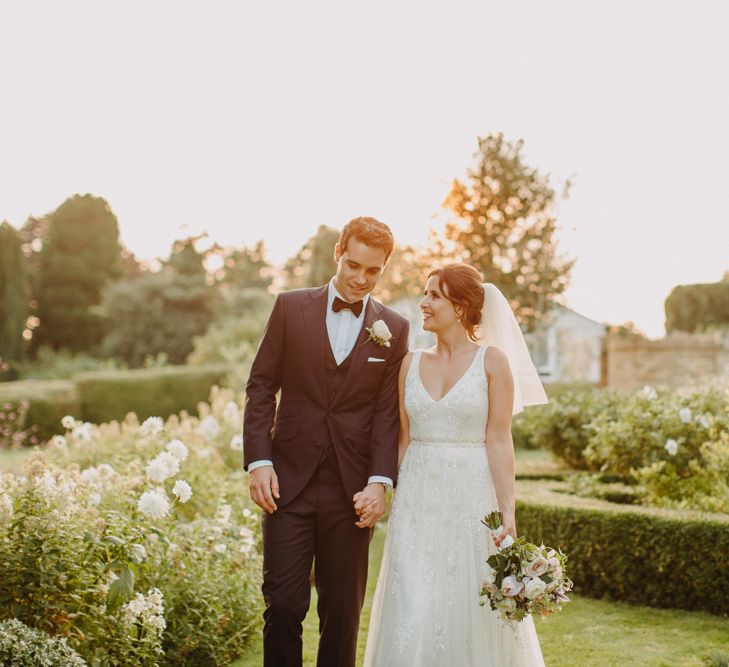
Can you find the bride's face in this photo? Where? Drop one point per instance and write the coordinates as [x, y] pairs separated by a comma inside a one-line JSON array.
[[438, 312]]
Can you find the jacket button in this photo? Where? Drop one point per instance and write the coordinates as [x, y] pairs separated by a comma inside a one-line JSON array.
[[318, 445]]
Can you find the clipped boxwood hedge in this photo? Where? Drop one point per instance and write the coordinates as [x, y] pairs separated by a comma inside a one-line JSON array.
[[147, 392], [103, 396], [660, 558], [48, 402]]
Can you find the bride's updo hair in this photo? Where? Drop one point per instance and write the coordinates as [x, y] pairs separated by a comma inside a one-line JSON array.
[[462, 285]]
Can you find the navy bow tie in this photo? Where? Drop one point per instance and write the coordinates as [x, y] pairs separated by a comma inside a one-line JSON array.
[[354, 306]]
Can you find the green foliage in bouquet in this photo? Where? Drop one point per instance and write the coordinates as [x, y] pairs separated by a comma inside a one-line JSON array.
[[21, 646]]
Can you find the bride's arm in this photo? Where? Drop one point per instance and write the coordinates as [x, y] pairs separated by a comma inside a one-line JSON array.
[[499, 443], [404, 436]]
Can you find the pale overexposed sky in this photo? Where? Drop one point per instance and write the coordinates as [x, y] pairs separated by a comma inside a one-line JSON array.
[[265, 119]]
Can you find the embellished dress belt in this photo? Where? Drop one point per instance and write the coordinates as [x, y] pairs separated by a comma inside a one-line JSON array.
[[441, 443]]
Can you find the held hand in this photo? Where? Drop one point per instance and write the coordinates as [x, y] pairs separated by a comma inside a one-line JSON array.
[[369, 504], [508, 527], [264, 488]]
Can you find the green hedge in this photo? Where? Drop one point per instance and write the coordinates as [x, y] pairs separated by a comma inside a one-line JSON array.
[[104, 396], [151, 392], [48, 402], [660, 558]]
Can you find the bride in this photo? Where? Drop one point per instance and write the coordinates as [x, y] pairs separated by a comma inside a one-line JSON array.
[[456, 465]]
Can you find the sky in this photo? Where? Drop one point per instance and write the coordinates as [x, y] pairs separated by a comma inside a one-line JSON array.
[[263, 120]]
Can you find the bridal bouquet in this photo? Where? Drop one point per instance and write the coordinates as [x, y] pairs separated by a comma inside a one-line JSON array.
[[523, 578]]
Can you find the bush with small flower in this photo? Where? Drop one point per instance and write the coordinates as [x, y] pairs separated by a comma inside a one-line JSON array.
[[522, 578], [136, 542]]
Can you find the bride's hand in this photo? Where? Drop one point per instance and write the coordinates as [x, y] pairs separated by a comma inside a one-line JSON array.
[[508, 528]]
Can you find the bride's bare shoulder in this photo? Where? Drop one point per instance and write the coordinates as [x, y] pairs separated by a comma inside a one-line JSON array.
[[495, 361]]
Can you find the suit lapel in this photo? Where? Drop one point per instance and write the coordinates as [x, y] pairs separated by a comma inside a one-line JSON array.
[[315, 322], [361, 348]]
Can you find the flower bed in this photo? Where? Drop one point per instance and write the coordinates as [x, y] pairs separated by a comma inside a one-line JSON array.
[[135, 541]]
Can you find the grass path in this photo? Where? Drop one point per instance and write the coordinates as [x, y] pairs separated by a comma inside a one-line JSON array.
[[588, 633]]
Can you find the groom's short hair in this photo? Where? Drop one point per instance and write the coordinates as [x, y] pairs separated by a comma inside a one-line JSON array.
[[370, 232]]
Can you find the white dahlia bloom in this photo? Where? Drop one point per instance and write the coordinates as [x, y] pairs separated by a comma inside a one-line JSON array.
[[152, 425], [154, 504], [182, 490], [178, 449], [209, 427]]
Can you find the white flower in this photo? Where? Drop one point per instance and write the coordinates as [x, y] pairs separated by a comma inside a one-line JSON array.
[[220, 548], [231, 413], [489, 576], [83, 432], [91, 477], [671, 446], [177, 449], [209, 427], [94, 498], [149, 611], [379, 328], [245, 532], [510, 586], [506, 542], [703, 420], [138, 552], [162, 466], [236, 443], [246, 548], [223, 514], [379, 333], [46, 484], [105, 471], [6, 507], [685, 415], [68, 421], [534, 588], [537, 567], [649, 392], [182, 490], [247, 513], [58, 441], [154, 504], [152, 425]]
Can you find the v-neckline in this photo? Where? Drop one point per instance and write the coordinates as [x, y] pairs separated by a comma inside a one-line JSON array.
[[454, 385]]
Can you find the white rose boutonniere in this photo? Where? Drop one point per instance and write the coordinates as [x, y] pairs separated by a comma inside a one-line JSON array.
[[379, 333]]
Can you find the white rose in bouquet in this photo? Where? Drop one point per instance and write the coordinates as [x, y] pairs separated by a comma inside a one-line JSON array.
[[534, 588], [538, 567], [511, 586]]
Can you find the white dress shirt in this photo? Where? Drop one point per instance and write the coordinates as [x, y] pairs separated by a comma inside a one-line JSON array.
[[343, 329]]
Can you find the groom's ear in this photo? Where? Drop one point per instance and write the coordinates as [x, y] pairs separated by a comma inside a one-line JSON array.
[[337, 252]]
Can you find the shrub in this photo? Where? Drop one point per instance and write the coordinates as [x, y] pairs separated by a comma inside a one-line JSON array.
[[655, 557], [63, 364], [560, 426], [48, 401], [146, 392], [21, 646]]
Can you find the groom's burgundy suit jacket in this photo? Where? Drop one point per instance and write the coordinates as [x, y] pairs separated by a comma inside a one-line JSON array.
[[361, 422]]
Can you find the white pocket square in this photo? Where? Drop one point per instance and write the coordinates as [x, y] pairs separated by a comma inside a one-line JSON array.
[[375, 359]]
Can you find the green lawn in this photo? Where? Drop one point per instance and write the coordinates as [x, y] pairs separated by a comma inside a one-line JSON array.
[[588, 633]]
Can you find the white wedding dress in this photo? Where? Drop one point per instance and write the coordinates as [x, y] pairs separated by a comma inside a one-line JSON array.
[[426, 610]]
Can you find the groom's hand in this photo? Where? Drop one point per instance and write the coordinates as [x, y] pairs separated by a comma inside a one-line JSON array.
[[264, 488], [370, 505]]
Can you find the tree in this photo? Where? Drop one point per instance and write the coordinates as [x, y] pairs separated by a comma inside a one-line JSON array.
[[405, 274], [696, 308], [80, 256], [161, 312], [505, 227], [313, 265], [243, 268], [13, 293]]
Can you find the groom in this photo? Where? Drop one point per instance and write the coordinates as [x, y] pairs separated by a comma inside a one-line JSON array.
[[334, 353]]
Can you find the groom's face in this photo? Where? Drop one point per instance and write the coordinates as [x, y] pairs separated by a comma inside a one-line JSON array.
[[359, 266]]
